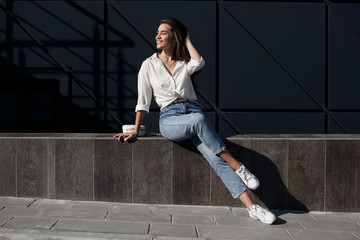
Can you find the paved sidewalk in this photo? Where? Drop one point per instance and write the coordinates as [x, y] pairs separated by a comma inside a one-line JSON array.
[[40, 219]]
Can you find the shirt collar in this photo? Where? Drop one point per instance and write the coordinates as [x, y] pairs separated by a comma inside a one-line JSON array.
[[156, 59]]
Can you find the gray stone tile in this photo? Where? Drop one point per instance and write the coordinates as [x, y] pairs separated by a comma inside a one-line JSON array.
[[52, 203], [33, 234], [35, 168], [190, 175], [8, 167], [176, 238], [4, 219], [240, 211], [293, 215], [320, 235], [333, 215], [193, 210], [21, 211], [75, 214], [306, 171], [342, 168], [125, 207], [113, 170], [246, 221], [74, 156], [354, 216], [152, 171], [14, 201], [268, 162], [139, 216], [176, 230], [102, 226], [193, 219], [331, 224], [242, 233], [31, 222]]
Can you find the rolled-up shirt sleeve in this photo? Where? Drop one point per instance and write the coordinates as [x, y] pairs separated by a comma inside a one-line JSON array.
[[144, 89], [194, 65]]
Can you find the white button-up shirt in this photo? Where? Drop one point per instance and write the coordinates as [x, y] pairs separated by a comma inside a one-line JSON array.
[[153, 78]]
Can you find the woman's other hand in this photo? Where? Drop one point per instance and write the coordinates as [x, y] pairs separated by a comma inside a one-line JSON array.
[[125, 136]]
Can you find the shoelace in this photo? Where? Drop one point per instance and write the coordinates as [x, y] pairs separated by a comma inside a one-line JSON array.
[[247, 175], [258, 210]]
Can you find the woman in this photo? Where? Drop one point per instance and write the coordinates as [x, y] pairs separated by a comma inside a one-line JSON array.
[[166, 75]]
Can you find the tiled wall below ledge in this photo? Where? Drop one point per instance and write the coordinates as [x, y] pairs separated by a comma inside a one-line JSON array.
[[297, 172]]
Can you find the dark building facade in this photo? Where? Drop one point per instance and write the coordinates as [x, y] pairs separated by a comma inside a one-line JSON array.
[[271, 66]]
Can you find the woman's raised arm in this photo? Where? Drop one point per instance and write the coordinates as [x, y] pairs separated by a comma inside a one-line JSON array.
[[194, 54]]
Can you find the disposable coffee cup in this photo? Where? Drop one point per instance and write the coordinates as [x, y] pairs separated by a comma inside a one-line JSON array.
[[130, 128]]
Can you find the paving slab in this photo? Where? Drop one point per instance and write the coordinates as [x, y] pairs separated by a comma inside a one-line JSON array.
[[31, 223], [292, 215], [102, 226], [12, 201], [194, 219], [242, 233], [177, 238], [194, 210], [20, 234], [321, 235], [354, 216], [21, 211], [93, 214], [176, 230], [123, 207], [4, 219], [139, 216], [330, 215], [338, 224], [46, 219], [356, 234], [249, 222], [52, 203]]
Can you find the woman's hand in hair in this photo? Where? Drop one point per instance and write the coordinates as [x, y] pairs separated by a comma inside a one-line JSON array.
[[194, 54]]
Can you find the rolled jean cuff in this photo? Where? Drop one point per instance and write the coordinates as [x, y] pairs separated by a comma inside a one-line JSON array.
[[221, 149], [238, 195]]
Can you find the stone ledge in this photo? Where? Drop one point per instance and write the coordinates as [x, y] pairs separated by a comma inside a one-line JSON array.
[[297, 172]]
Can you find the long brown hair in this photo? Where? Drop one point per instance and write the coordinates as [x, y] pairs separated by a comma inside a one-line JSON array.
[[180, 33]]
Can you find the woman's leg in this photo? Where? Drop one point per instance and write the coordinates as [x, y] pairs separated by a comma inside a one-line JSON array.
[[181, 121], [233, 183], [177, 125], [246, 200], [228, 176], [184, 120], [234, 164]]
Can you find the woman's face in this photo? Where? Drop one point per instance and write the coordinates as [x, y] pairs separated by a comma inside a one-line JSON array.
[[164, 37]]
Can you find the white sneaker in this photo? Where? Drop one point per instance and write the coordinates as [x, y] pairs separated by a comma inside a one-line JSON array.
[[257, 212], [248, 178]]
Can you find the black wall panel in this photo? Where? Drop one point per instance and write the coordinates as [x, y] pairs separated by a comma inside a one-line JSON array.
[[271, 66]]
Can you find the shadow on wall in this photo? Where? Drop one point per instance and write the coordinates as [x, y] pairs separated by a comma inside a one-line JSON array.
[[272, 192], [30, 104]]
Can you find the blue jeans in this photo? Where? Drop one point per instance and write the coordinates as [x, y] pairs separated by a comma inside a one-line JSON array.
[[186, 120]]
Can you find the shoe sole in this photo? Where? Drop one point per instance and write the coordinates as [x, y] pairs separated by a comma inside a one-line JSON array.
[[253, 188], [266, 222]]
